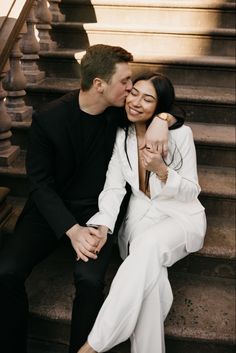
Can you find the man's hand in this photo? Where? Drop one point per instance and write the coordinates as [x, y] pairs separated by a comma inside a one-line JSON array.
[[156, 137], [84, 241]]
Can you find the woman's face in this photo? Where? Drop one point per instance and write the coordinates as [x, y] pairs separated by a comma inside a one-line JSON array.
[[141, 102]]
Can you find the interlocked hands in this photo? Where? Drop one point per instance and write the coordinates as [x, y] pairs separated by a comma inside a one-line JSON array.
[[87, 241]]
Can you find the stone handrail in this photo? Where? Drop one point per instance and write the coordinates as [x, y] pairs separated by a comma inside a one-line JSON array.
[[13, 14]]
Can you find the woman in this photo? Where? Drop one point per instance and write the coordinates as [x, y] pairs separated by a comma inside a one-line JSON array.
[[164, 222]]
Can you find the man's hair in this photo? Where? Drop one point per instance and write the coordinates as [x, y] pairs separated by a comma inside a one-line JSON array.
[[100, 61]]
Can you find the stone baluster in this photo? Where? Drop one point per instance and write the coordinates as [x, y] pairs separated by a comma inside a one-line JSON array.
[[8, 152], [30, 49], [44, 27], [57, 16], [15, 84]]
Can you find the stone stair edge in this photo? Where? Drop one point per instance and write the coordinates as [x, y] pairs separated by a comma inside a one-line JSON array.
[[185, 31], [187, 93], [214, 4], [218, 61], [204, 133], [209, 134], [215, 181]]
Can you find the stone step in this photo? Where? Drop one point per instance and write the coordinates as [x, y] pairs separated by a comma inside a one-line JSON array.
[[218, 185], [202, 311], [215, 144], [152, 39], [50, 305], [218, 103], [216, 258], [207, 14], [218, 255], [214, 71]]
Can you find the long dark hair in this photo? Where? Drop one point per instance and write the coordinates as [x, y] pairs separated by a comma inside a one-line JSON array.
[[166, 103]]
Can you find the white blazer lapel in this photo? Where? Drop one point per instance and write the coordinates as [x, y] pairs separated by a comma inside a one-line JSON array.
[[132, 150]]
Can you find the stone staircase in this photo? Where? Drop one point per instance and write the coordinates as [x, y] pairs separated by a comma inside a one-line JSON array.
[[193, 44]]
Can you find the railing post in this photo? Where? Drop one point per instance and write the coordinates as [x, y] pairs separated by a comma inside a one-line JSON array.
[[44, 17], [57, 16], [8, 153], [30, 48], [15, 84]]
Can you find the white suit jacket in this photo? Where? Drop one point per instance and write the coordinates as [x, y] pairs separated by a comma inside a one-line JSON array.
[[177, 198]]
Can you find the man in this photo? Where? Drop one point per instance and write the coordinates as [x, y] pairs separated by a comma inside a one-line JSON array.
[[71, 142]]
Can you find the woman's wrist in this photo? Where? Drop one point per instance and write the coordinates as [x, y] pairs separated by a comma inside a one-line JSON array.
[[162, 174], [170, 119]]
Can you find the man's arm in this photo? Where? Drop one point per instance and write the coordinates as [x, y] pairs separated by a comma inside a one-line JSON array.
[[156, 138], [40, 166]]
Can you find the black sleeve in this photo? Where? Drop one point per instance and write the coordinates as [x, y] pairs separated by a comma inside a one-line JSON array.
[[179, 115], [40, 169]]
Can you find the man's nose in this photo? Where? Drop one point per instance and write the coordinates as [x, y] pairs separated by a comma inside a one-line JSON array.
[[129, 85]]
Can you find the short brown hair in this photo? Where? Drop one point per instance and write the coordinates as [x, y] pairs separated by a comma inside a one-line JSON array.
[[100, 61]]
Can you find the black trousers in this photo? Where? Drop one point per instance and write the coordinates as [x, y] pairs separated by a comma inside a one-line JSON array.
[[31, 243]]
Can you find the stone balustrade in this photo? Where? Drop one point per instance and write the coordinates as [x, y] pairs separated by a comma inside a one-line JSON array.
[[22, 69]]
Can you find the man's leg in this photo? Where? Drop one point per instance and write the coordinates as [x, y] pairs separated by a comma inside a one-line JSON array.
[[89, 283], [30, 243]]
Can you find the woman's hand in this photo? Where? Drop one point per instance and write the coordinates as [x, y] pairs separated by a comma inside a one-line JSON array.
[[102, 236], [151, 160]]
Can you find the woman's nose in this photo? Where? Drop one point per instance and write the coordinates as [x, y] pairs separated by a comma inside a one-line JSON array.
[[136, 101]]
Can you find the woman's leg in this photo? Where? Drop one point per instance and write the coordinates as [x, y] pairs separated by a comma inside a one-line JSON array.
[[137, 287]]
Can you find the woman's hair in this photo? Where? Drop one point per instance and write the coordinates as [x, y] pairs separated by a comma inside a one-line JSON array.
[[165, 103]]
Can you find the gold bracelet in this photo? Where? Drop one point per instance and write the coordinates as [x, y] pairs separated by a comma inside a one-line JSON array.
[[163, 177]]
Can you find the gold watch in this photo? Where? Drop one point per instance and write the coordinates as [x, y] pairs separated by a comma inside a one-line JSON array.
[[164, 116]]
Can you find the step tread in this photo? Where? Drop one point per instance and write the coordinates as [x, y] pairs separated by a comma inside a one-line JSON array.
[[189, 93], [214, 181], [189, 317], [214, 4], [173, 59], [204, 133], [140, 28], [219, 242], [217, 181], [203, 309], [220, 239], [222, 135]]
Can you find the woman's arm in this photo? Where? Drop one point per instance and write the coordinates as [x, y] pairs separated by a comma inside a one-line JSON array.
[[113, 192], [183, 184]]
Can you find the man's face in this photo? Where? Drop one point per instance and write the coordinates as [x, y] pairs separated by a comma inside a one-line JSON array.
[[118, 88]]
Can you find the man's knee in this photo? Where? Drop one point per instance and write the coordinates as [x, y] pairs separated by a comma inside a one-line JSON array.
[[87, 278]]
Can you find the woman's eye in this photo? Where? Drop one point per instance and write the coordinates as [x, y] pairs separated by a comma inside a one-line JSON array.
[[148, 100]]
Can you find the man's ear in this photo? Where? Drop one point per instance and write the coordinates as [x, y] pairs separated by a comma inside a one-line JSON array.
[[98, 84]]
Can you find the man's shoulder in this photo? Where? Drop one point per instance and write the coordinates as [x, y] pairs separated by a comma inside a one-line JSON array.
[[57, 108]]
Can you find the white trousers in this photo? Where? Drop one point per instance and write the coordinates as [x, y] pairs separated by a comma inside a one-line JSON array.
[[140, 296]]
